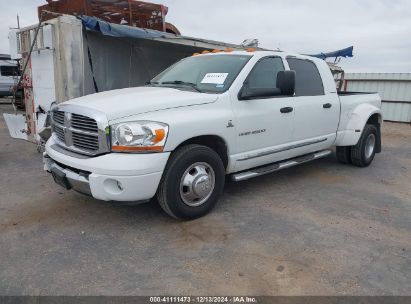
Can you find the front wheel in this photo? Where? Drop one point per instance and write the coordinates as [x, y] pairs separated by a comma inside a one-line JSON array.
[[192, 182]]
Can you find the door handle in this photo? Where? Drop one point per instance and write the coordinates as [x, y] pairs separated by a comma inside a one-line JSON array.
[[286, 110], [327, 106]]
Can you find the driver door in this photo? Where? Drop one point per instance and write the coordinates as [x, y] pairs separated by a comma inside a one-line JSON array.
[[263, 124]]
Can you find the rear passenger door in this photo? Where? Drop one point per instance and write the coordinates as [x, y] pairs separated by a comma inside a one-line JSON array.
[[316, 111]]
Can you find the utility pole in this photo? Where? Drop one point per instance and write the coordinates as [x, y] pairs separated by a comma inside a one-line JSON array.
[[18, 21]]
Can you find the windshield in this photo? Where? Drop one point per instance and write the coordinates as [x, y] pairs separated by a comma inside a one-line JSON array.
[[210, 74]]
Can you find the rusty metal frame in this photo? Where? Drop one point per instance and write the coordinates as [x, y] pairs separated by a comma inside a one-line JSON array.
[[131, 12]]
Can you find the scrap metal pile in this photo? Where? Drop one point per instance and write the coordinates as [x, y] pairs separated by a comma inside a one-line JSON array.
[[128, 12]]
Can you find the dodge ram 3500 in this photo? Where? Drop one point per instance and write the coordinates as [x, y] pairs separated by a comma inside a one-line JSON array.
[[242, 114]]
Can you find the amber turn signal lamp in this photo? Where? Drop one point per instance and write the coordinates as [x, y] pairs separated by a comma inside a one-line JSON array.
[[160, 134]]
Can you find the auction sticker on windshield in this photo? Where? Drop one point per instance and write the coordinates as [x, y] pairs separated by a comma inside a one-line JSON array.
[[215, 78]]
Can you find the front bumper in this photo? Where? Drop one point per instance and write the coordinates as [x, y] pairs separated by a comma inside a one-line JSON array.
[[78, 181], [110, 177]]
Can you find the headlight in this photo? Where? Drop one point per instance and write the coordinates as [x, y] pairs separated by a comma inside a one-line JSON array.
[[139, 136]]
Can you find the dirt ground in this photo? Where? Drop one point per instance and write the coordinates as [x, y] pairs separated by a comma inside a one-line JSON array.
[[322, 228]]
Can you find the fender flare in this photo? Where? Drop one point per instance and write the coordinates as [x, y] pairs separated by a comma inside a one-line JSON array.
[[355, 126]]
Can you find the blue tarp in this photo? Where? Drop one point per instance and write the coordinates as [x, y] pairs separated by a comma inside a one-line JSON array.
[[124, 31], [117, 30], [347, 52]]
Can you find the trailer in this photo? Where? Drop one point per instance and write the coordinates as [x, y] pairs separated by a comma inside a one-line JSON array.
[[71, 56]]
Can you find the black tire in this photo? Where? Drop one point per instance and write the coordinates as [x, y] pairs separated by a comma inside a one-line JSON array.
[[344, 155], [359, 155], [169, 194]]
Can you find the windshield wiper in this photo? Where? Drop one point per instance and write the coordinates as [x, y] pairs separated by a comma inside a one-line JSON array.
[[180, 82]]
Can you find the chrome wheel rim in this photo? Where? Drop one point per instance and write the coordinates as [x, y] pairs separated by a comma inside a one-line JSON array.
[[197, 184], [370, 146]]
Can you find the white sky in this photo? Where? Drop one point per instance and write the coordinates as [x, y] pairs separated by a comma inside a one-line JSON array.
[[380, 30]]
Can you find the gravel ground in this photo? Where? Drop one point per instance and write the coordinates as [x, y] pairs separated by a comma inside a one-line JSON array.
[[318, 229]]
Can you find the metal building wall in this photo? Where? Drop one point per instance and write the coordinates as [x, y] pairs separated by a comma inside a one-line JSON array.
[[394, 88]]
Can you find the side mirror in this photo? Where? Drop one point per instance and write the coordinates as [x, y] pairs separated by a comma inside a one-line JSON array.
[[254, 93], [285, 87], [286, 82]]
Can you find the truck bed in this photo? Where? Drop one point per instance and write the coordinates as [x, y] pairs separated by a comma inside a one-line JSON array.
[[347, 93]]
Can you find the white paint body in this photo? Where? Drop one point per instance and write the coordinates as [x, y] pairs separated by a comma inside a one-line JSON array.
[[192, 114]]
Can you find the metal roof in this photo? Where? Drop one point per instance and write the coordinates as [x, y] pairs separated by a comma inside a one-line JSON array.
[[124, 31]]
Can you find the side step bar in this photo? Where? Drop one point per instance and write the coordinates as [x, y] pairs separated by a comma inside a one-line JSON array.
[[279, 166]]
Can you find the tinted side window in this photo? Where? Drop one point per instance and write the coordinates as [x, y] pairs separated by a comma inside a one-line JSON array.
[[264, 74], [9, 71], [308, 80]]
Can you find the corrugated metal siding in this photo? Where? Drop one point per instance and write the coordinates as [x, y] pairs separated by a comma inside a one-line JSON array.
[[389, 90], [395, 88], [396, 111]]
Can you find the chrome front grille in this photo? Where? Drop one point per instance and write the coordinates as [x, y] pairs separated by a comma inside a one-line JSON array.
[[59, 131], [85, 141], [80, 133], [58, 117], [81, 122]]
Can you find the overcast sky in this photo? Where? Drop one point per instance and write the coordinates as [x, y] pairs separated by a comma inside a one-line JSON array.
[[380, 30]]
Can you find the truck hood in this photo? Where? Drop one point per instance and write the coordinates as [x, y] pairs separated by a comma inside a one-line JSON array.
[[132, 101]]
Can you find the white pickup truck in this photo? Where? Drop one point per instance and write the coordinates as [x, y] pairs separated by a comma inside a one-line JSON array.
[[242, 113]]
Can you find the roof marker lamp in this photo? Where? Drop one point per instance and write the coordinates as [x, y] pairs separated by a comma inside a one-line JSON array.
[[139, 137]]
